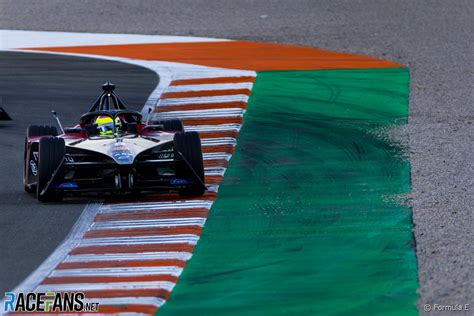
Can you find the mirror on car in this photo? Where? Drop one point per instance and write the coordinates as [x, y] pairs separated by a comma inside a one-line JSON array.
[[74, 130]]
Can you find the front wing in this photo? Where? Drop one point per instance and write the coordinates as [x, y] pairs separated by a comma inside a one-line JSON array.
[[83, 172]]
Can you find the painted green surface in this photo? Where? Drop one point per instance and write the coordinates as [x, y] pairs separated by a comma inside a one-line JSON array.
[[305, 222]]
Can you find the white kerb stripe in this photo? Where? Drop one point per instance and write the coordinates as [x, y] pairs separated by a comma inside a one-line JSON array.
[[125, 207], [235, 127], [172, 270], [219, 141], [231, 112], [174, 222], [214, 171], [213, 86], [201, 100], [216, 156], [212, 188], [166, 285], [130, 256], [212, 73], [141, 240]]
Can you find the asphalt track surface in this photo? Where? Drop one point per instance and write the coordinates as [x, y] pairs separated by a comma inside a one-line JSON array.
[[31, 85], [434, 38]]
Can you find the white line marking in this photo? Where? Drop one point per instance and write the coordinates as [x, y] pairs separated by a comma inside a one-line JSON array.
[[201, 100], [214, 171], [196, 221], [176, 271], [106, 286], [214, 128], [219, 141], [212, 188], [122, 207], [228, 73], [215, 86], [24, 39], [130, 256], [141, 240], [231, 112], [216, 156]]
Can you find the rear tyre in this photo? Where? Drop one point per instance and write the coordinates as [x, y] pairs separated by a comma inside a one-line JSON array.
[[50, 155], [170, 125], [189, 145]]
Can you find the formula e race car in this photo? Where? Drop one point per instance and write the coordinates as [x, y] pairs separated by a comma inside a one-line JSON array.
[[112, 150]]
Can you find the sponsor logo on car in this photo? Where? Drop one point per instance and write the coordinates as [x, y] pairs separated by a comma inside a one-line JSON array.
[[168, 155], [180, 181], [33, 167]]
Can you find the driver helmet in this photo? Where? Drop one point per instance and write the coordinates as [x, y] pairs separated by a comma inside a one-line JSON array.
[[105, 124]]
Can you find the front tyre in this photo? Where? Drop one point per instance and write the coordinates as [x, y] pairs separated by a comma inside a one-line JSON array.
[[187, 146], [51, 154], [34, 131]]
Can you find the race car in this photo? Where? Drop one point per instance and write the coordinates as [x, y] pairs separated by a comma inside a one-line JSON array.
[[112, 150]]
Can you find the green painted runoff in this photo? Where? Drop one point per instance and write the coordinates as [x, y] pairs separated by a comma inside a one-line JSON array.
[[306, 221]]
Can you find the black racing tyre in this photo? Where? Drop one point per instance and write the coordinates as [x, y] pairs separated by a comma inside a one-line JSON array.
[[35, 131], [51, 153], [41, 130], [189, 145], [170, 125]]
